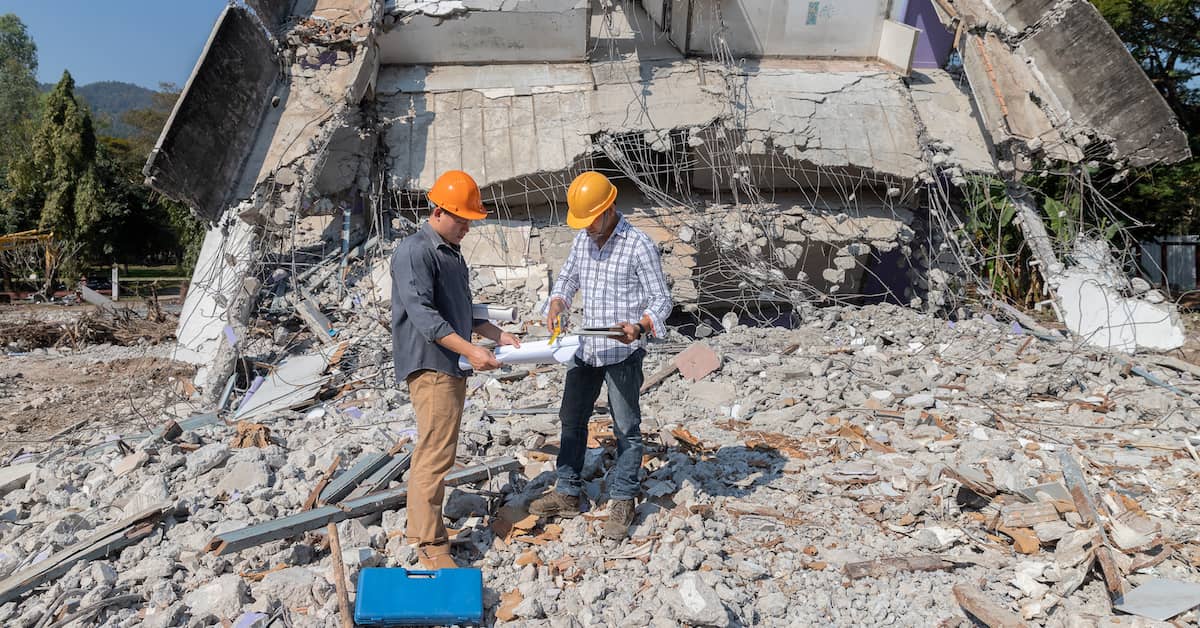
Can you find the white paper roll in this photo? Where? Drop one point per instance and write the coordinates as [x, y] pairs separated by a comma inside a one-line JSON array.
[[534, 352], [494, 313]]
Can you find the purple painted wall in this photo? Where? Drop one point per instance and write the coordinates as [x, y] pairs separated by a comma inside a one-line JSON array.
[[935, 42]]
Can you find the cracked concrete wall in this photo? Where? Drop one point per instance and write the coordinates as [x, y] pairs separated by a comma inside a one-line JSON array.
[[791, 28], [216, 119], [1085, 85], [531, 32], [281, 130], [799, 122], [1102, 87]]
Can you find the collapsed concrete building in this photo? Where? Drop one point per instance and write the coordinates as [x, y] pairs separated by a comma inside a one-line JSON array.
[[860, 464], [780, 152]]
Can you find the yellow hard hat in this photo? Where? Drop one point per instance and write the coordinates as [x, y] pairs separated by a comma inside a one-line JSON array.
[[456, 192], [589, 195]]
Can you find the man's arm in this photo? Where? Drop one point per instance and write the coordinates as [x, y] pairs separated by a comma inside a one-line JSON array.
[[412, 277], [489, 330], [412, 284], [654, 284]]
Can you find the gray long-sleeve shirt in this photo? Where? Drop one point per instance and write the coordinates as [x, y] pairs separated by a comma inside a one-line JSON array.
[[431, 298]]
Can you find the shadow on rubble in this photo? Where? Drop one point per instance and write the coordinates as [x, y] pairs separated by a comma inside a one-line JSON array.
[[737, 471]]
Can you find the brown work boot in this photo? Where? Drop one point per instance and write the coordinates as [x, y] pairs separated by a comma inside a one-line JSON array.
[[434, 557], [555, 504], [620, 516]]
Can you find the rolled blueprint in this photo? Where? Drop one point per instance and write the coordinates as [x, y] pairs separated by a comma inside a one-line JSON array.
[[534, 352], [494, 313]]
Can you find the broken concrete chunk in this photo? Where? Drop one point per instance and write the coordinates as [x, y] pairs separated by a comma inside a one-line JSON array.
[[127, 464], [14, 477], [207, 458], [697, 603], [697, 361], [712, 395], [936, 537], [151, 568], [1052, 530], [222, 598], [295, 587], [1160, 599], [103, 573], [244, 476], [1075, 547]]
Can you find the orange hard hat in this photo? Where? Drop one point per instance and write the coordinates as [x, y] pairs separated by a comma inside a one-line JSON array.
[[456, 192], [589, 195]]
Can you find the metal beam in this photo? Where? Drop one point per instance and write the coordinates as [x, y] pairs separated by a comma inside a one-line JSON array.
[[388, 472], [287, 527], [344, 483]]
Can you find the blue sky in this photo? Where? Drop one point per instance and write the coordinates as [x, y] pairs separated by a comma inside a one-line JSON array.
[[137, 41]]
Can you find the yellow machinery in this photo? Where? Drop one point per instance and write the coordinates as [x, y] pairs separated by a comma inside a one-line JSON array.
[[15, 241]]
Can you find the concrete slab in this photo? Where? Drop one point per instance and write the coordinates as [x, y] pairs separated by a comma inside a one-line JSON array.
[[16, 476], [494, 80], [522, 31], [1102, 317], [945, 109]]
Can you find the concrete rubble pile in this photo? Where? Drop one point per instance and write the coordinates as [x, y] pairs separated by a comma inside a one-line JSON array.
[[865, 465], [871, 466]]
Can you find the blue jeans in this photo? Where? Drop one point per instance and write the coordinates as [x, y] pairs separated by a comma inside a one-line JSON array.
[[579, 401]]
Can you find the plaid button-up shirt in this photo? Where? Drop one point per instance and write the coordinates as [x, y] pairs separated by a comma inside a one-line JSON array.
[[621, 282]]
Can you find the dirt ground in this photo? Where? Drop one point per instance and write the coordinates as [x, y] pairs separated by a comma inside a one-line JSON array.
[[96, 390]]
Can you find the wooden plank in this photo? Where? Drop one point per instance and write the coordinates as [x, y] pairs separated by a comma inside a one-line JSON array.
[[311, 501], [339, 576], [989, 613], [103, 542], [287, 527], [1026, 515], [888, 566], [1077, 485], [346, 482]]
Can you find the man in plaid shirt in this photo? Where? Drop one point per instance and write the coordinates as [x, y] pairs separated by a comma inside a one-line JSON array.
[[617, 268]]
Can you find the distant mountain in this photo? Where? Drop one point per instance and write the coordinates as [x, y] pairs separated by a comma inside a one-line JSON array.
[[108, 100]]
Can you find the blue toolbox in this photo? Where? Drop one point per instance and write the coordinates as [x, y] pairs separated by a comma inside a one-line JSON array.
[[399, 597]]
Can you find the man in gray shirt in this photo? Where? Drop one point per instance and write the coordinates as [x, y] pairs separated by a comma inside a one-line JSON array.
[[431, 328]]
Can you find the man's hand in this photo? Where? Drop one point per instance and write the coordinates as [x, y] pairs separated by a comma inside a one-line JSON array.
[[481, 359], [630, 333], [557, 308], [507, 339]]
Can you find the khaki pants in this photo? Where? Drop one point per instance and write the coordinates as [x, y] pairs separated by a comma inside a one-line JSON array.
[[438, 399]]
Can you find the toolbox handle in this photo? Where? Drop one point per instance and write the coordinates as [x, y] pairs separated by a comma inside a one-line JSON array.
[[421, 573]]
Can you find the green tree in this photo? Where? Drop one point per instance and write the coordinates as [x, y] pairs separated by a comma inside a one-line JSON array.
[[57, 179], [1162, 36], [18, 106]]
